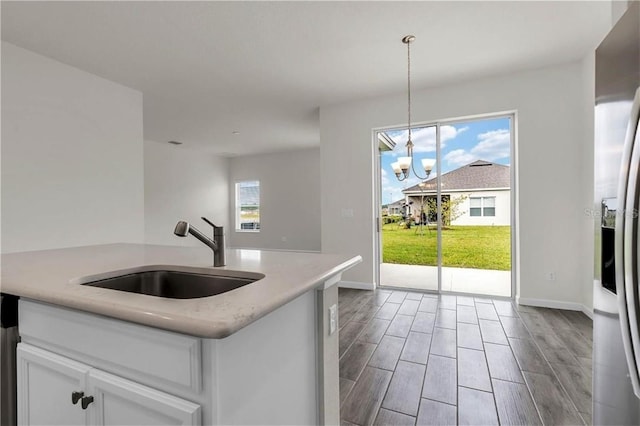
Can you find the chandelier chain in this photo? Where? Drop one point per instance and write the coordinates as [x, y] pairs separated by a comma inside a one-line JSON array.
[[409, 89], [405, 165], [409, 141]]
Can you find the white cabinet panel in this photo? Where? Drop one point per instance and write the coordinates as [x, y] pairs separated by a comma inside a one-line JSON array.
[[118, 401], [160, 358], [45, 384]]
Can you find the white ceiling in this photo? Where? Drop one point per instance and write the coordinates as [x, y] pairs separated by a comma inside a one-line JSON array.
[[207, 69]]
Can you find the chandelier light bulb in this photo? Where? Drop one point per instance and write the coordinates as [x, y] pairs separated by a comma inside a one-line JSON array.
[[405, 164], [396, 168], [427, 164]]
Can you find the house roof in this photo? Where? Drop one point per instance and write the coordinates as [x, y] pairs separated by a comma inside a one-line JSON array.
[[400, 202], [477, 175]]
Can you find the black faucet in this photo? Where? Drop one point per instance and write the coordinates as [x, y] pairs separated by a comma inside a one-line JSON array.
[[216, 244]]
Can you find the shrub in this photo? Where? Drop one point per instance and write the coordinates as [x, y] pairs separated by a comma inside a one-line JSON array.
[[391, 219]]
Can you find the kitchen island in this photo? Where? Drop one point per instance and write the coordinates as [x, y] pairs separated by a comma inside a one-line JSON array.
[[264, 353]]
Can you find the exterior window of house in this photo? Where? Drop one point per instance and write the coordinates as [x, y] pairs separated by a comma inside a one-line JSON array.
[[248, 206], [482, 206], [488, 206]]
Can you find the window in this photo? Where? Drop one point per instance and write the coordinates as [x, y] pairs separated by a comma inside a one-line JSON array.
[[248, 206], [488, 206], [482, 206]]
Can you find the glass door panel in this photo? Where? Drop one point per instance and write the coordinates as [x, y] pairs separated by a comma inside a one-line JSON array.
[[409, 257], [475, 185]]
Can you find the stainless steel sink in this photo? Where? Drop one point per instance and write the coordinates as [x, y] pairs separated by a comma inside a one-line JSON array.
[[174, 284]]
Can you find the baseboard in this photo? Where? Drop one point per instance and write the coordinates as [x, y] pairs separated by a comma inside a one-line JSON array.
[[356, 285], [588, 312], [544, 303]]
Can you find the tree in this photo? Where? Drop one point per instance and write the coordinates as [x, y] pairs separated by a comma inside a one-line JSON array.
[[450, 207]]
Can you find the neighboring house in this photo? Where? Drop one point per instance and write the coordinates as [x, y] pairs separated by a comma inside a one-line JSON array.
[[396, 208], [485, 190]]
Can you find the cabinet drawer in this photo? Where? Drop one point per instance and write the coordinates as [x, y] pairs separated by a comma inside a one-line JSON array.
[[151, 356]]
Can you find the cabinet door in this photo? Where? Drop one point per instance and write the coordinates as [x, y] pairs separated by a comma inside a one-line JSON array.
[[45, 384], [118, 401]]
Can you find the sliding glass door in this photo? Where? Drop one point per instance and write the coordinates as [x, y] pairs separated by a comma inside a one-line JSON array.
[[449, 230]]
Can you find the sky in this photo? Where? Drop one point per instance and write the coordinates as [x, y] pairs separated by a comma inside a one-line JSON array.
[[461, 143]]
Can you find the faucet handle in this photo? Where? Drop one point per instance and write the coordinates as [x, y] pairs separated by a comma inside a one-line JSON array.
[[217, 230], [209, 222]]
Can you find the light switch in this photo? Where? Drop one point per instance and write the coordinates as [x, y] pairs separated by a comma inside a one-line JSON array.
[[347, 212], [332, 319]]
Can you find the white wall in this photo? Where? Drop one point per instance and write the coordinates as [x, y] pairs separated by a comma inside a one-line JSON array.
[[550, 162], [502, 215], [289, 200], [503, 209], [589, 223], [71, 156], [182, 183]]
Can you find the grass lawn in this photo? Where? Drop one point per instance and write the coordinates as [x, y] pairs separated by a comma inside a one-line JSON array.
[[250, 215], [480, 247]]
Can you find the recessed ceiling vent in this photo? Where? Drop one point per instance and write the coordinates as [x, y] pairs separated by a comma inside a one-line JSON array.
[[175, 143]]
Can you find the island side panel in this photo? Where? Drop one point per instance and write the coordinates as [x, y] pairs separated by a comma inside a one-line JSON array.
[[266, 372], [328, 355]]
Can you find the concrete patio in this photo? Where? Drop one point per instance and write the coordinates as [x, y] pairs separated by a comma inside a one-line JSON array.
[[465, 280]]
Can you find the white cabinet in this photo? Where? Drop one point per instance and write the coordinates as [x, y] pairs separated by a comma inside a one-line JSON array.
[[47, 383], [121, 402], [143, 375]]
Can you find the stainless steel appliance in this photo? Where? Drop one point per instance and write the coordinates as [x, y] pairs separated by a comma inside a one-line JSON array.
[[8, 342], [616, 341]]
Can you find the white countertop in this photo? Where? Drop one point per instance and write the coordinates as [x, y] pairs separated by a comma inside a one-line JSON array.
[[47, 276]]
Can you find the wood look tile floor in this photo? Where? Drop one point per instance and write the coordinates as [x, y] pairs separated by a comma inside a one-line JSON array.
[[408, 358]]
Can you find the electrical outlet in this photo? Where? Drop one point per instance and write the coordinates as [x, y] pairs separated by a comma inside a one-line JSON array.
[[333, 319], [551, 276]]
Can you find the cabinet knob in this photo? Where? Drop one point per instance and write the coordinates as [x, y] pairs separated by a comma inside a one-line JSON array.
[[86, 400], [76, 396]]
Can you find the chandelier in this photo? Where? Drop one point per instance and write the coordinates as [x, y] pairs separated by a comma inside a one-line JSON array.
[[402, 167]]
